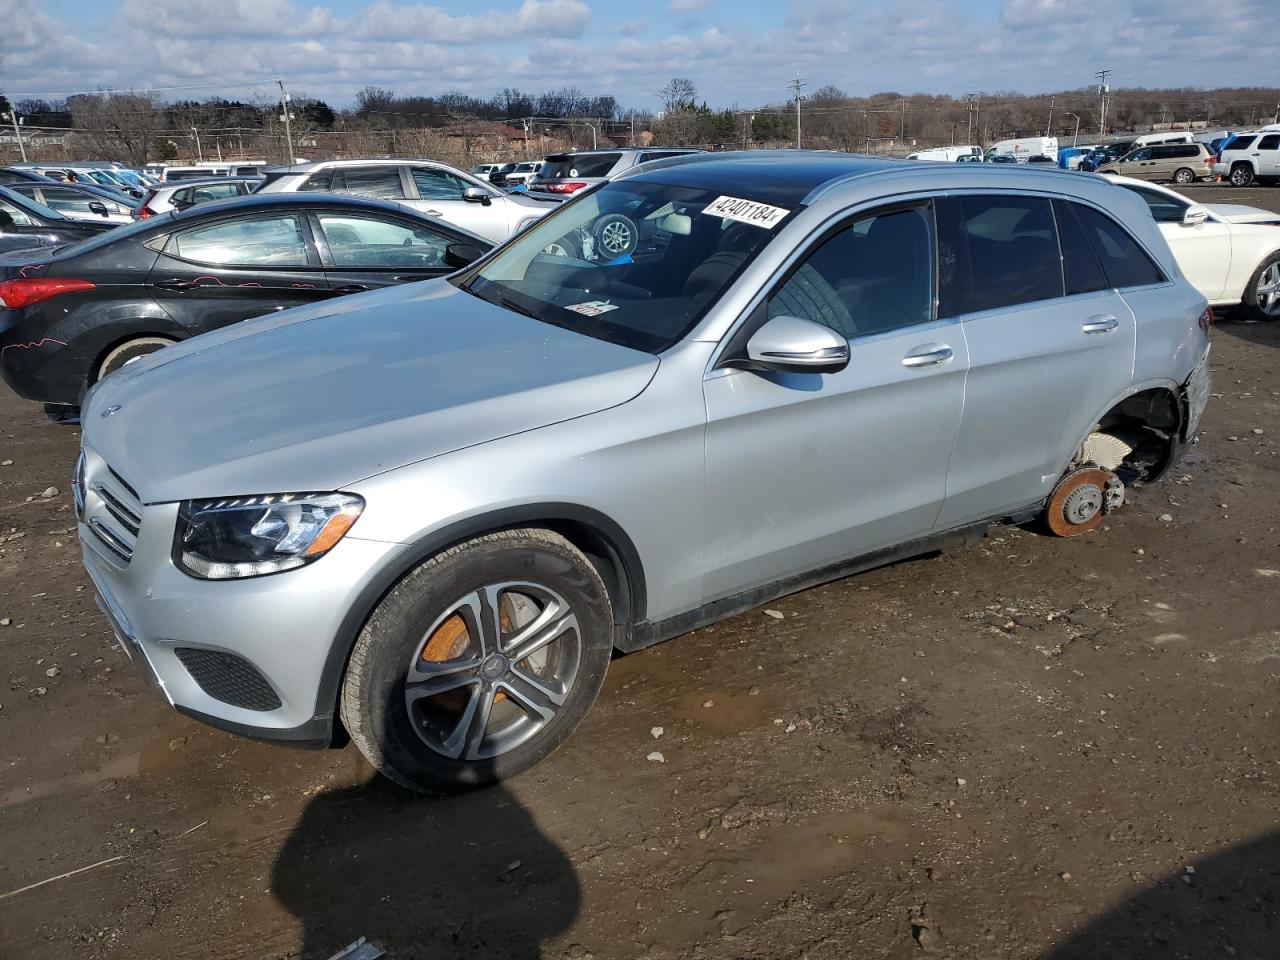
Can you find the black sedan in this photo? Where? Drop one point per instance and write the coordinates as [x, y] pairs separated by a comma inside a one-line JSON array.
[[14, 175], [26, 223], [70, 316]]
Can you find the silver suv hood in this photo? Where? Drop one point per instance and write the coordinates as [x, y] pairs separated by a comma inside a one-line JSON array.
[[322, 396]]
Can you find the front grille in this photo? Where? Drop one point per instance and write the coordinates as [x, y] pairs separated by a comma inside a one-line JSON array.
[[228, 678], [112, 511]]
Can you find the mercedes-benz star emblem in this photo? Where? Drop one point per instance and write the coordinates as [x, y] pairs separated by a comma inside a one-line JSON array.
[[114, 408]]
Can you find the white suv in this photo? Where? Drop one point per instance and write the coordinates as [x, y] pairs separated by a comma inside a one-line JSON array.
[[1250, 157], [436, 189]]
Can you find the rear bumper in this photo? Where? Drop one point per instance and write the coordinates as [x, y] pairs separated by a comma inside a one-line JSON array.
[[1195, 394], [36, 363]]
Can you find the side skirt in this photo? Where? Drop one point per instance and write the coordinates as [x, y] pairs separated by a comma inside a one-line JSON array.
[[647, 633]]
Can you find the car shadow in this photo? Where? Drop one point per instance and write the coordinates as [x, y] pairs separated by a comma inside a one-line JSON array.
[[1225, 905], [465, 875], [1234, 324]]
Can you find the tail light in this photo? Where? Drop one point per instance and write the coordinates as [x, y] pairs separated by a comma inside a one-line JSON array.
[[24, 291], [565, 186], [1206, 320], [145, 211]]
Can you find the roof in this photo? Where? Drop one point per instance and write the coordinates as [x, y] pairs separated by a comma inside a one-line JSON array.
[[313, 165], [783, 177]]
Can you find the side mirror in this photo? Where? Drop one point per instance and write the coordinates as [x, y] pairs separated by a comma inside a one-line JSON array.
[[793, 345], [460, 255], [98, 207], [476, 195], [1194, 216]]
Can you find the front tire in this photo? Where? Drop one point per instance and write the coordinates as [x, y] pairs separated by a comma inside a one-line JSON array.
[[1262, 292], [1184, 176], [1241, 175], [480, 662], [127, 352]]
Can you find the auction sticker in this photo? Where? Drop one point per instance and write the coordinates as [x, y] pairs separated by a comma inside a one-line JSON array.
[[593, 308], [746, 211]]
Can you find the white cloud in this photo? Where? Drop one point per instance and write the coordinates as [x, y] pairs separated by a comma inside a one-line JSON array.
[[386, 20]]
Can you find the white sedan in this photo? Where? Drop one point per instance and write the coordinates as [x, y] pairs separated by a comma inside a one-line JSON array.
[[1229, 252]]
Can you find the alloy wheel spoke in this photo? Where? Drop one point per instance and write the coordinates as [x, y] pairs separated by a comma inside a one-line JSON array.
[[428, 678], [464, 742], [551, 624], [532, 694]]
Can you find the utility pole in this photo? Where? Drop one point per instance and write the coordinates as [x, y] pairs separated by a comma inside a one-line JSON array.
[[902, 129], [1048, 131], [195, 137], [973, 100], [797, 85], [1103, 89], [12, 115], [286, 117]]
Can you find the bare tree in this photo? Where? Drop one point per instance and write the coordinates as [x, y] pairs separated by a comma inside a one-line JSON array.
[[117, 126], [678, 94]]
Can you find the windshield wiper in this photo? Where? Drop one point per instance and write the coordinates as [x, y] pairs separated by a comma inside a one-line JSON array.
[[517, 308]]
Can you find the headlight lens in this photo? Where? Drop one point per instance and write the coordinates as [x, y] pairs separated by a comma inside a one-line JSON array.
[[239, 537]]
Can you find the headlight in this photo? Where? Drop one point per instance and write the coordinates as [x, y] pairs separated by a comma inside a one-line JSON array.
[[241, 537]]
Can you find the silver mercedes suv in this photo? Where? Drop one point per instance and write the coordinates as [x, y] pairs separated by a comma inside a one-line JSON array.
[[431, 513]]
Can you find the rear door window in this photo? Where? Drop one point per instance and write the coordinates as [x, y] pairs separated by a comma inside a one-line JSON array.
[[1081, 270], [998, 251], [1125, 262], [268, 241], [381, 183]]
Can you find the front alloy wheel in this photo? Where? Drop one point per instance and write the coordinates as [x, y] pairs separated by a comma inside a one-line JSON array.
[[1262, 294], [480, 662], [493, 670]]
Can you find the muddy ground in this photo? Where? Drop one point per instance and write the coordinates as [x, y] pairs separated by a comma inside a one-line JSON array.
[[1028, 748]]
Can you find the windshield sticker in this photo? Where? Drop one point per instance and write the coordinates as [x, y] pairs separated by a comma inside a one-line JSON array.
[[746, 211], [593, 308]]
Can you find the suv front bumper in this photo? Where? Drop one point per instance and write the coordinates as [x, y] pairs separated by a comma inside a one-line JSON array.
[[268, 638]]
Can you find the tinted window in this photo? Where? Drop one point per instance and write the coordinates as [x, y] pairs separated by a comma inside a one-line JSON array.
[[214, 191], [646, 157], [320, 182], [19, 218], [275, 241], [1081, 270], [1164, 207], [567, 166], [382, 183], [1241, 143], [1271, 142], [356, 241], [873, 276], [440, 184], [1125, 262], [1143, 154], [1000, 251]]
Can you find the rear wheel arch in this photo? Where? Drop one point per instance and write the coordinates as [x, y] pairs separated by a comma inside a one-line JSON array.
[[1156, 408], [106, 354], [604, 542]]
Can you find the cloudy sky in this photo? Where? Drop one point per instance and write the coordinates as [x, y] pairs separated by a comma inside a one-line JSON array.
[[736, 51]]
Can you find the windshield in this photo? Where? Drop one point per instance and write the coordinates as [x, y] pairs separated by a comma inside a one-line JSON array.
[[636, 264]]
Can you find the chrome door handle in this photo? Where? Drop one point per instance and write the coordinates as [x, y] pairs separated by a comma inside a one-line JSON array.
[[434, 213], [1100, 324], [928, 356]]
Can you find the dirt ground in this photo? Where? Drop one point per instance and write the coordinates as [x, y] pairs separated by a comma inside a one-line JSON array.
[[1028, 748]]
